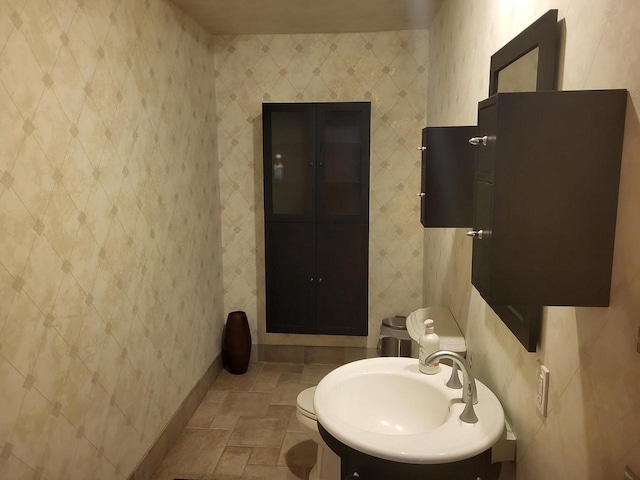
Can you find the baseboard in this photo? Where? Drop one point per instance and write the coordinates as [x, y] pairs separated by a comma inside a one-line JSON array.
[[312, 354], [169, 435]]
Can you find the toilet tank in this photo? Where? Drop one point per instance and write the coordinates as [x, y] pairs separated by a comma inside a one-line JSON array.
[[446, 327]]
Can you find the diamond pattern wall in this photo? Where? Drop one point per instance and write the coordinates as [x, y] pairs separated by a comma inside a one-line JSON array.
[[110, 244], [389, 70], [593, 427]]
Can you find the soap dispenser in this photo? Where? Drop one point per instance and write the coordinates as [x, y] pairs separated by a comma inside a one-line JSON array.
[[429, 343]]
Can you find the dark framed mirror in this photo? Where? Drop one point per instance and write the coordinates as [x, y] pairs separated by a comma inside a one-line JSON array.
[[529, 62]]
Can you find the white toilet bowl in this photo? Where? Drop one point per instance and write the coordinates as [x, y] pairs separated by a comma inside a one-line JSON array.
[[327, 465]]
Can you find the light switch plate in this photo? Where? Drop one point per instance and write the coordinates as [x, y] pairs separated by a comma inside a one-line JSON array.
[[542, 388]]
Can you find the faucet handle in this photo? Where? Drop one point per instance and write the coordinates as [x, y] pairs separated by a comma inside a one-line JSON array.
[[468, 415], [454, 379]]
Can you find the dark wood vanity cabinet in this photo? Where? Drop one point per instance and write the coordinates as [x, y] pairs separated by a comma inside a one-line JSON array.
[[372, 468], [358, 465], [316, 184], [546, 190], [448, 166]]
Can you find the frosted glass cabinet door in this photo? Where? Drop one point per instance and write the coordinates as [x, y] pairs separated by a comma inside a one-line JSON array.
[[343, 162], [289, 162]]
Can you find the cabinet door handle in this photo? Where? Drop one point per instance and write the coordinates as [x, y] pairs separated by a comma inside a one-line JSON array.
[[421, 194], [311, 279], [351, 476], [476, 141], [422, 149], [479, 234], [319, 279]]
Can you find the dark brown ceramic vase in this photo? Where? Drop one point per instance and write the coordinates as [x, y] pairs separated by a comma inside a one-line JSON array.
[[236, 343]]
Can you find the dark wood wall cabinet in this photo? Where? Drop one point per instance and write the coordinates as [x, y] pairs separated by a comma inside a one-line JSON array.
[[546, 191], [448, 167], [316, 185]]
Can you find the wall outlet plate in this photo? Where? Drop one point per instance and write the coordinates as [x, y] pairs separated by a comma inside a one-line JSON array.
[[542, 388]]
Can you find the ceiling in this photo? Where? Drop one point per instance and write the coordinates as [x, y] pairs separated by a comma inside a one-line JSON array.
[[234, 17]]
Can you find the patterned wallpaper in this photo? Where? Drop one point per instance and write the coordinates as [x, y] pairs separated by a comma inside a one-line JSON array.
[[110, 245], [593, 427], [389, 69]]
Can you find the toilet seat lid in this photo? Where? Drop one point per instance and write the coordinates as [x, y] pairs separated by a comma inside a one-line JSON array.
[[305, 402]]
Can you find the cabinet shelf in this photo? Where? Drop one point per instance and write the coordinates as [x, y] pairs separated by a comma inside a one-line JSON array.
[[355, 182], [298, 182], [341, 142], [281, 141]]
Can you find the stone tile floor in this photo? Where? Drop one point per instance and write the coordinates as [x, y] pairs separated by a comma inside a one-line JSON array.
[[246, 428]]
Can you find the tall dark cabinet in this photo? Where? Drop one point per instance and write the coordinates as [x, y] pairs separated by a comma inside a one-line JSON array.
[[316, 185]]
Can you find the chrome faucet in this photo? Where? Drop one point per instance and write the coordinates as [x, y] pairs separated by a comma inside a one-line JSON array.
[[469, 392]]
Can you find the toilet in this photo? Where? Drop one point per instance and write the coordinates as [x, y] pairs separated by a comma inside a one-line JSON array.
[[327, 465]]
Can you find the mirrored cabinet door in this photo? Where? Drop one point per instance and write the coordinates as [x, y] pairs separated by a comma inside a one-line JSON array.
[[448, 174]]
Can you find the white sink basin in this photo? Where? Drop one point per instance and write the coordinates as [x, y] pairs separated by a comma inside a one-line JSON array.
[[386, 408]]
